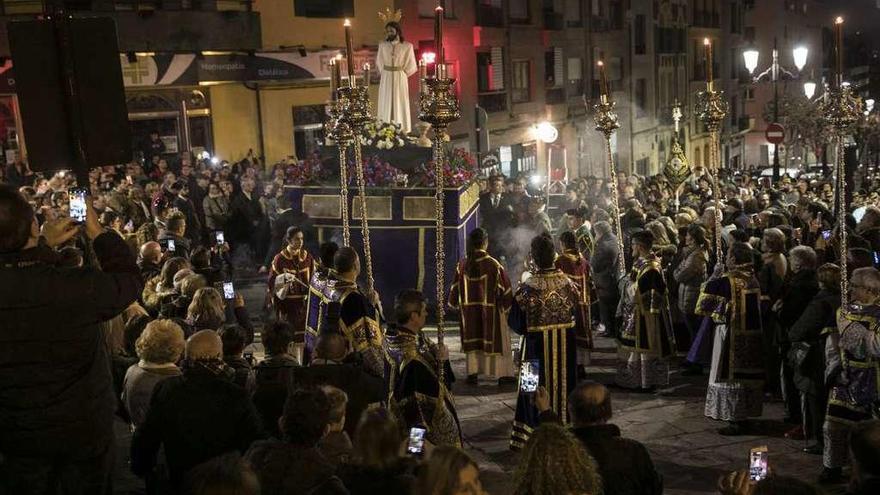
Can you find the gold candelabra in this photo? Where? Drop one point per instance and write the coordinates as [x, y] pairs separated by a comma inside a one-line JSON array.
[[606, 122], [336, 129], [356, 111], [438, 106], [841, 110], [711, 108]]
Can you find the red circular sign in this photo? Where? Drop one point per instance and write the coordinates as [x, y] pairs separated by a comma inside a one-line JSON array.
[[775, 133]]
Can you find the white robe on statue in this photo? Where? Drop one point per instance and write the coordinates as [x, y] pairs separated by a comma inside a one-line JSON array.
[[396, 61]]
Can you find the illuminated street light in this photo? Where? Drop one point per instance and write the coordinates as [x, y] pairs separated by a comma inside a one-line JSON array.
[[546, 132], [800, 57], [809, 89], [750, 57]]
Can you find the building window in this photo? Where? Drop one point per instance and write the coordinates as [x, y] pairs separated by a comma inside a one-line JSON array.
[[615, 14], [323, 8], [521, 91], [750, 93], [553, 69], [308, 129], [749, 34], [426, 8], [642, 166], [575, 76], [519, 12], [573, 13], [640, 35], [490, 80], [490, 13], [641, 98]]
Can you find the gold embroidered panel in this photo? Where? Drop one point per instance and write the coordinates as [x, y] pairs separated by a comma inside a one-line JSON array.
[[322, 206], [378, 207], [418, 208], [468, 199]]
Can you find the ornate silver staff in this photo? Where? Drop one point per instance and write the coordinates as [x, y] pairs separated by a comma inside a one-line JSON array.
[[606, 122], [438, 106], [711, 109], [841, 110]]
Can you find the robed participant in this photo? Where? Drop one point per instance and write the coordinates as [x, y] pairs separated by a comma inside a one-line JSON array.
[[545, 312], [396, 61], [852, 370], [646, 341], [318, 284], [732, 305], [481, 293], [289, 278], [345, 309], [421, 398], [577, 268]]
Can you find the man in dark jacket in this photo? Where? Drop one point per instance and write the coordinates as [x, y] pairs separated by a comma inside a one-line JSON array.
[[625, 464], [799, 291], [807, 356], [273, 374], [185, 205], [496, 214], [150, 260], [295, 465], [331, 367], [606, 270], [197, 416], [56, 390], [288, 217], [247, 220], [172, 239]]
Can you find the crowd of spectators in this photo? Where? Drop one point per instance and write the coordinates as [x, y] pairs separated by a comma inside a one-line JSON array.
[[127, 317]]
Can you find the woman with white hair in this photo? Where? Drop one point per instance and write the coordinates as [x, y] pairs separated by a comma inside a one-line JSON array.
[[159, 348]]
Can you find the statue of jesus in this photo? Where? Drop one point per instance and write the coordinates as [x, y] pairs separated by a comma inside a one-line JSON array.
[[396, 61]]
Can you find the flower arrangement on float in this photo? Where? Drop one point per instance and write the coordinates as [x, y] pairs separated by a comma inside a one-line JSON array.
[[383, 135]]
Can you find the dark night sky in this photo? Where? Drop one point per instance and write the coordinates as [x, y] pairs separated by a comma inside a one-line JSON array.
[[861, 15]]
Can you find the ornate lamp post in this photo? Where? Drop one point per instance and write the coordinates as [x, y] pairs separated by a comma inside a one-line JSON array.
[[750, 58]]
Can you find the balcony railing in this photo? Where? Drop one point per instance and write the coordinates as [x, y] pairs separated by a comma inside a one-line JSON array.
[[489, 16], [493, 102]]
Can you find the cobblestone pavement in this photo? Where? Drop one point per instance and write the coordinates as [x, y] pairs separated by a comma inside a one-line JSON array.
[[683, 443]]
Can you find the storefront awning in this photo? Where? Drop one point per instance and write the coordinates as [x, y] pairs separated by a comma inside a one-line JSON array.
[[189, 69]]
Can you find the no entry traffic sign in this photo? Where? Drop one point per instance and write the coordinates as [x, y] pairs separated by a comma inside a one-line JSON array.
[[775, 133]]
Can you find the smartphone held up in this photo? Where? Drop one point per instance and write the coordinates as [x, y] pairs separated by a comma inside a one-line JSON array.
[[78, 209], [758, 463]]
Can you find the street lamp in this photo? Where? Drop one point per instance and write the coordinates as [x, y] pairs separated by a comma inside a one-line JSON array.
[[750, 59], [809, 89]]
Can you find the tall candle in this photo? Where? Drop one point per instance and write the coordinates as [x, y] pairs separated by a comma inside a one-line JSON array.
[[708, 45], [349, 55], [423, 76], [838, 51], [603, 80], [438, 34], [367, 74], [334, 78]]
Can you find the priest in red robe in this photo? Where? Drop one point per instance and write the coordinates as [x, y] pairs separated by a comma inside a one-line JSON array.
[[481, 293], [289, 279], [577, 268]]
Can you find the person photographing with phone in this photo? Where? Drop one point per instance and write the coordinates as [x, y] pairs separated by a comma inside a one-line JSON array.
[[56, 408]]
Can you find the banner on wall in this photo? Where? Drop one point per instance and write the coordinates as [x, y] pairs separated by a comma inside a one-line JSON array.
[[190, 69]]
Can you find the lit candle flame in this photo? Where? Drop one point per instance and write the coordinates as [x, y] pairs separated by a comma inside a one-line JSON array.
[[347, 23], [839, 20], [706, 41], [600, 63]]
